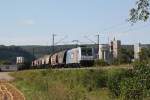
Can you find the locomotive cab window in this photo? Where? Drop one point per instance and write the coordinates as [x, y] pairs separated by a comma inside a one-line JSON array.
[[83, 51], [86, 51], [89, 52]]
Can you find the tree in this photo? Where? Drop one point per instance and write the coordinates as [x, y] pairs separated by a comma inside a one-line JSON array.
[[140, 12], [145, 54], [125, 55], [5, 62]]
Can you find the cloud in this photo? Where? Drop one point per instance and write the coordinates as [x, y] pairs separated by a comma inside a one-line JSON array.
[[27, 22]]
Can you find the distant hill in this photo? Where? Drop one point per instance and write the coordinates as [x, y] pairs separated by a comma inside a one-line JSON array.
[[9, 53]]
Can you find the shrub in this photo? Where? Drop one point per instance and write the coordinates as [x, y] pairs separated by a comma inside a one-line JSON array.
[[5, 62], [101, 63], [115, 61], [131, 89], [137, 87], [114, 79], [94, 79], [73, 83]]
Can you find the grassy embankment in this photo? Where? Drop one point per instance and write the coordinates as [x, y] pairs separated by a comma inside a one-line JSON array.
[[68, 84]]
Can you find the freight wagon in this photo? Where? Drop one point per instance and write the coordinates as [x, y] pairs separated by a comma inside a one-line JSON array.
[[58, 59], [42, 62], [62, 58], [46, 61], [76, 57]]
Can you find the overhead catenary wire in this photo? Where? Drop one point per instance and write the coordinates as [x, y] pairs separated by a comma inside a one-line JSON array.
[[90, 39], [107, 29], [133, 29], [61, 40], [114, 27], [136, 28]]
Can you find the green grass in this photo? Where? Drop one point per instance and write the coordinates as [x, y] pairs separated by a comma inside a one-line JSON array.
[[63, 84]]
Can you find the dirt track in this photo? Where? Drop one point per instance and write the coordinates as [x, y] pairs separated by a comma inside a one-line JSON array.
[[5, 76], [7, 90]]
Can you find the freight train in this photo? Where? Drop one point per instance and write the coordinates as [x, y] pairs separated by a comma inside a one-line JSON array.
[[76, 57]]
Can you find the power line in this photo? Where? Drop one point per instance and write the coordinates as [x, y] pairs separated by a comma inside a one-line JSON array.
[[133, 29], [98, 36], [90, 40], [61, 40], [137, 28], [111, 28], [114, 26]]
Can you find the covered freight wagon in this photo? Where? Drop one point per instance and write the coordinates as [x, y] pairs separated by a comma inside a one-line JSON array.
[[59, 59], [47, 59], [54, 59], [62, 58], [42, 62], [37, 63]]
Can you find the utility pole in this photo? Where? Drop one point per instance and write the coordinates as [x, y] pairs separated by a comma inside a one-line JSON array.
[[33, 51], [53, 45], [98, 45], [97, 39]]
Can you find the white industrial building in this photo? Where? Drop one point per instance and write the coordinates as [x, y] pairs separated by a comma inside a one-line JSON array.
[[104, 52], [109, 51], [19, 60], [115, 46], [137, 50]]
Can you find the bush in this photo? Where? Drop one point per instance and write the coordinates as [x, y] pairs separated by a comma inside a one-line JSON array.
[[101, 63], [5, 62], [115, 61], [131, 89], [137, 87], [94, 79], [66, 84], [114, 79]]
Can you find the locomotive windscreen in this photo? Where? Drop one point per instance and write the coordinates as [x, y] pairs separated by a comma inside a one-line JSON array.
[[86, 51]]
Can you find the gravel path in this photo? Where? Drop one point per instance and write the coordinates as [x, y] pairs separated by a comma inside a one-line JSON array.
[[7, 90], [5, 76]]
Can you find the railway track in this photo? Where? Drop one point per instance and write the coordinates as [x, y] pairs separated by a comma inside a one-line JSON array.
[[9, 92]]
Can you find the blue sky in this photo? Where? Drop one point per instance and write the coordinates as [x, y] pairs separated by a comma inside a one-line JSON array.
[[32, 22]]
